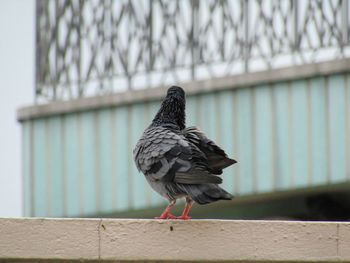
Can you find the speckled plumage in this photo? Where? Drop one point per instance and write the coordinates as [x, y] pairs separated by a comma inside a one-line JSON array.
[[178, 161]]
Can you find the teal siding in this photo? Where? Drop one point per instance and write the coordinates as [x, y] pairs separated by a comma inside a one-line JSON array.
[[40, 194], [299, 147], [106, 157], [89, 159], [285, 135], [226, 133], [208, 115], [245, 141], [122, 157], [319, 160], [282, 120], [26, 168], [191, 111], [336, 109], [113, 182], [347, 123], [54, 175], [264, 140], [72, 159]]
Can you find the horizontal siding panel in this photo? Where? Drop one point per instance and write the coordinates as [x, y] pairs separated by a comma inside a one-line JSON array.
[[72, 184], [105, 155], [89, 155], [336, 93], [55, 167], [319, 125], [245, 143], [282, 117], [122, 133], [264, 145], [347, 124], [26, 168], [300, 158], [207, 114], [39, 168], [191, 111], [284, 136], [226, 135]]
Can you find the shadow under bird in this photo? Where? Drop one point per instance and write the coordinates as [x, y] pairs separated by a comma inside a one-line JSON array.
[[178, 161]]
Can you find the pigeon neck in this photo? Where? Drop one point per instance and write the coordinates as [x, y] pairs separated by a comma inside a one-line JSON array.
[[172, 111]]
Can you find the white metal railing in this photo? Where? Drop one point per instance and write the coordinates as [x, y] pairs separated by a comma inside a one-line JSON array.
[[95, 47]]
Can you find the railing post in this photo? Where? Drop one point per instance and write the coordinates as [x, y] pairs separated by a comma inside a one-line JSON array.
[[345, 20], [79, 26], [57, 49], [246, 46], [194, 37], [52, 65], [128, 75], [295, 26], [150, 37], [38, 49]]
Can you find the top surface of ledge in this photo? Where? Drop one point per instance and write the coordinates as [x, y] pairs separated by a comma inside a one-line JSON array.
[[173, 240], [193, 87]]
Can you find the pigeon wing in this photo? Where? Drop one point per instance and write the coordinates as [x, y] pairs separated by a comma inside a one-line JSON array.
[[164, 155], [217, 159]]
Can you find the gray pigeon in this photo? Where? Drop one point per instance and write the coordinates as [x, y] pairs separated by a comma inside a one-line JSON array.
[[178, 161]]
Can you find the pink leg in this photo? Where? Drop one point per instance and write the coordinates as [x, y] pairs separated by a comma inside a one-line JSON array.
[[185, 212], [166, 213]]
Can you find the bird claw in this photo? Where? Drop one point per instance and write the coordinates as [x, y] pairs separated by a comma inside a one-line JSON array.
[[183, 218], [166, 216]]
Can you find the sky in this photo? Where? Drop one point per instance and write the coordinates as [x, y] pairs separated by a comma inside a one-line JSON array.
[[16, 89]]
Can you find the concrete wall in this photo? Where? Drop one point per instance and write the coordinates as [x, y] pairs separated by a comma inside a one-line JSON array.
[[38, 240], [288, 129]]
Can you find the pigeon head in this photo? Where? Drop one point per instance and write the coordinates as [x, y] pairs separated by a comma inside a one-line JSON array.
[[172, 110], [175, 91]]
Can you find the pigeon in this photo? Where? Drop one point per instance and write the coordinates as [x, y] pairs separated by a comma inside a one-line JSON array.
[[180, 162]]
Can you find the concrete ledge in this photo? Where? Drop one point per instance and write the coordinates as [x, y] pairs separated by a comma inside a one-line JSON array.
[[194, 87], [173, 241]]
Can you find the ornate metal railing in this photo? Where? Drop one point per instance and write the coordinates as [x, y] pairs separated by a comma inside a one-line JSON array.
[[96, 47]]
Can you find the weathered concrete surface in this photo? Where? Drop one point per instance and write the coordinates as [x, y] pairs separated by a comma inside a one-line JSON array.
[[166, 241], [344, 240], [49, 239], [193, 87]]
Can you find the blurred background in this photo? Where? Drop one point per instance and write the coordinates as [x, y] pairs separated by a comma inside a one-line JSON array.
[[17, 54], [267, 80]]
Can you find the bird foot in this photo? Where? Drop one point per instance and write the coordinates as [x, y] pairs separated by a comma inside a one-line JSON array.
[[166, 216], [183, 217]]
